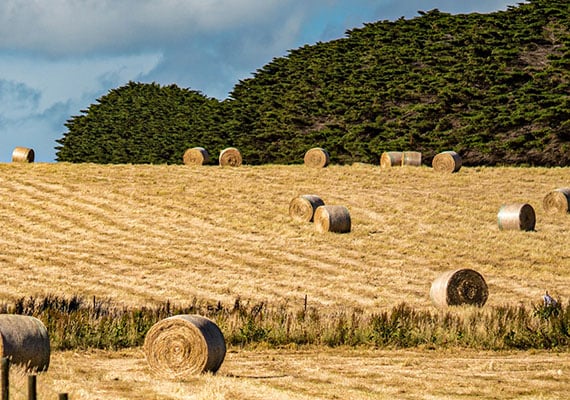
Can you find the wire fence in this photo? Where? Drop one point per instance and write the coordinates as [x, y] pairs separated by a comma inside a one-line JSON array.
[[18, 390]]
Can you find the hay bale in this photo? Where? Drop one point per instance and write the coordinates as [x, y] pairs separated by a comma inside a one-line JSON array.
[[196, 156], [332, 219], [457, 287], [411, 158], [557, 201], [302, 208], [391, 159], [317, 158], [447, 161], [230, 157], [25, 341], [23, 154], [516, 217], [184, 345]]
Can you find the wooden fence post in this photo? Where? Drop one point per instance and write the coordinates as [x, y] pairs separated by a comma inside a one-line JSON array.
[[62, 396], [32, 392], [5, 378]]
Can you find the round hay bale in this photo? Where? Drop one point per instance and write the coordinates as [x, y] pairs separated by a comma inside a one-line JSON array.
[[447, 161], [302, 208], [25, 341], [184, 345], [516, 217], [557, 201], [230, 157], [317, 158], [332, 219], [23, 154], [391, 159], [457, 287], [196, 156], [412, 158]]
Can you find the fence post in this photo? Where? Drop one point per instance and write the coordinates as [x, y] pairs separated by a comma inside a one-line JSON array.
[[62, 396], [5, 378], [32, 392]]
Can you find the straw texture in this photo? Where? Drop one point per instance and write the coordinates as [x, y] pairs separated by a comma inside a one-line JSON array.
[[302, 208], [557, 201], [332, 219], [458, 287], [317, 158], [25, 341], [184, 345], [412, 158], [230, 157], [391, 159], [447, 161], [516, 217], [196, 156], [23, 154]]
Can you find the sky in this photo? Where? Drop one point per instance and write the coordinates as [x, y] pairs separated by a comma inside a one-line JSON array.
[[57, 57]]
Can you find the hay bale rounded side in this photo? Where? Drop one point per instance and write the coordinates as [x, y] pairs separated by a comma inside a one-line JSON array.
[[317, 158], [447, 161], [516, 217], [332, 219], [230, 157], [557, 201], [459, 287], [25, 341], [196, 156], [391, 159], [184, 345], [411, 158], [23, 154], [302, 208]]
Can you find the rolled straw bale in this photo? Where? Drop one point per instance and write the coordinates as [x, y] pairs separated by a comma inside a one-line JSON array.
[[184, 345], [196, 156], [302, 208], [447, 161], [25, 341], [457, 287], [516, 217], [391, 159], [317, 158], [23, 154], [230, 157], [557, 201], [332, 219], [412, 158]]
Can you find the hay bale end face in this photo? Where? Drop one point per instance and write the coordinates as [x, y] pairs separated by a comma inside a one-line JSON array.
[[25, 341], [317, 158], [196, 156], [557, 201], [411, 158], [332, 219], [230, 157], [459, 287], [447, 161], [391, 159], [23, 154], [183, 346], [516, 217], [302, 208]]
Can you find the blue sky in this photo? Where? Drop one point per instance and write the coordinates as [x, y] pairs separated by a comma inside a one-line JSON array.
[[58, 56]]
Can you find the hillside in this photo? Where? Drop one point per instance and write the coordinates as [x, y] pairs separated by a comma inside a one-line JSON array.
[[492, 87]]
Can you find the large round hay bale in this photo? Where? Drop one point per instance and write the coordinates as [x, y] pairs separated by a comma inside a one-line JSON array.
[[317, 158], [25, 341], [184, 345], [196, 156], [23, 154], [516, 217], [457, 287], [391, 159], [332, 219], [230, 157], [302, 208], [412, 158], [557, 201], [447, 161]]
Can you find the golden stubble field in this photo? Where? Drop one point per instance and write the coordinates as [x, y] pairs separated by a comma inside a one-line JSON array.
[[144, 234]]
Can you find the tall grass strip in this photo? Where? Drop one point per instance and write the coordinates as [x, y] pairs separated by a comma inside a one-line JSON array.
[[447, 161], [332, 219], [516, 217], [557, 201], [317, 158], [25, 341], [196, 156], [459, 287], [230, 157]]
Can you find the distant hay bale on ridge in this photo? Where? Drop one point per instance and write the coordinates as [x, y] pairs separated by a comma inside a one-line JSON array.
[[447, 161], [317, 158], [196, 156], [458, 287], [557, 201], [332, 219], [411, 158], [24, 339], [302, 208], [23, 154], [391, 159], [516, 217], [230, 157]]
